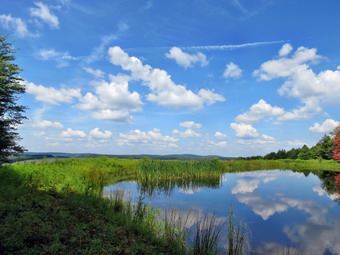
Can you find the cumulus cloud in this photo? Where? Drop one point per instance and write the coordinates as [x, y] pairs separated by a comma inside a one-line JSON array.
[[112, 100], [96, 133], [285, 50], [115, 115], [43, 124], [186, 60], [14, 24], [285, 66], [244, 130], [95, 72], [70, 133], [43, 12], [232, 71], [163, 90], [220, 135], [259, 111], [190, 124], [61, 58], [313, 89], [188, 133], [51, 95], [327, 126], [152, 137], [306, 111]]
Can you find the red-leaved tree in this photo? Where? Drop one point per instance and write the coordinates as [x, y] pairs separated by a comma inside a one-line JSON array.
[[336, 152]]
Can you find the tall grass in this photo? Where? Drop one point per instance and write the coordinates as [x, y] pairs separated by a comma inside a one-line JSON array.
[[171, 170], [207, 236], [283, 164], [238, 235]]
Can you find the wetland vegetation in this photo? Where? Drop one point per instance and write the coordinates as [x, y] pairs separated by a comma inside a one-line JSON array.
[[57, 206]]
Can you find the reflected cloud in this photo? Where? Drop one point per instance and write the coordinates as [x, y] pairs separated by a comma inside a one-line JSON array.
[[314, 238], [245, 186], [272, 248], [190, 190], [262, 207], [320, 191], [252, 181]]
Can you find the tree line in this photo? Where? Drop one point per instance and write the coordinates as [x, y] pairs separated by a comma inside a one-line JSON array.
[[328, 147]]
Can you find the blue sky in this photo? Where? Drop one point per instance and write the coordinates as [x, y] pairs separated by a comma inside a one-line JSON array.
[[231, 77]]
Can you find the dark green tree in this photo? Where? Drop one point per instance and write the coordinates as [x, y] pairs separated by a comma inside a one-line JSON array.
[[324, 148], [11, 114]]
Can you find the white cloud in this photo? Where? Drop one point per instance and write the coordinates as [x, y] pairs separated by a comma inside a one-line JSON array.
[[96, 133], [327, 126], [221, 144], [189, 133], [190, 124], [61, 58], [232, 71], [95, 72], [254, 143], [47, 124], [51, 95], [259, 111], [152, 137], [43, 12], [186, 60], [285, 50], [112, 100], [267, 137], [313, 89], [163, 90], [244, 130], [115, 115], [10, 23], [220, 136], [70, 133], [310, 108], [285, 67]]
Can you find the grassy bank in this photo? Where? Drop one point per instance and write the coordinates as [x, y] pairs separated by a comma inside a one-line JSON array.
[[50, 207], [283, 164]]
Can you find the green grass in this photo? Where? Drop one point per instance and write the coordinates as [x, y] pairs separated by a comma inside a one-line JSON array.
[[55, 207]]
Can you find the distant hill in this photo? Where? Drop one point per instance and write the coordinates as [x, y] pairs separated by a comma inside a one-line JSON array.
[[49, 155]]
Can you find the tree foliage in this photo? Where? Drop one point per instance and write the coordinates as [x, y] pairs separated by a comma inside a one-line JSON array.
[[336, 151], [324, 149], [11, 114]]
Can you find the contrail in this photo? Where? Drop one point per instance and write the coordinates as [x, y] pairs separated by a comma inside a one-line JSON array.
[[231, 46], [215, 47]]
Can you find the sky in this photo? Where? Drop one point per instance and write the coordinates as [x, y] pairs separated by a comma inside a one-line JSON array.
[[207, 77]]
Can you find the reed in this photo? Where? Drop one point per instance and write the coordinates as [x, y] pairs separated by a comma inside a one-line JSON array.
[[238, 235]]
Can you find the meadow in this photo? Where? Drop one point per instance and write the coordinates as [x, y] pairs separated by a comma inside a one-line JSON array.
[[50, 207]]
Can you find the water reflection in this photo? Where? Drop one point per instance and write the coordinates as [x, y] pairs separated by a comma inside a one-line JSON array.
[[186, 186], [290, 211]]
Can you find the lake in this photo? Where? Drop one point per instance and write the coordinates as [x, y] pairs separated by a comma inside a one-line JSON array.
[[284, 210]]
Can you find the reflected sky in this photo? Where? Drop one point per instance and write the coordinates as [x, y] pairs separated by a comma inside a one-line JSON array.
[[282, 208]]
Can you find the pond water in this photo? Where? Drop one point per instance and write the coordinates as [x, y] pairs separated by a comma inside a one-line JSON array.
[[299, 210]]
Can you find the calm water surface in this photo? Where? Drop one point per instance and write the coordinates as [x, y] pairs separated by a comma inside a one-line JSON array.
[[282, 208]]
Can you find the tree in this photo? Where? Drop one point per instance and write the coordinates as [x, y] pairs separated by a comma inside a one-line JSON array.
[[336, 151], [11, 114]]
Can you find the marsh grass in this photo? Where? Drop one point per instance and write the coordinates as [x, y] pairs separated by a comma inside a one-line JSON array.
[[56, 207], [238, 235], [283, 164], [207, 231]]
